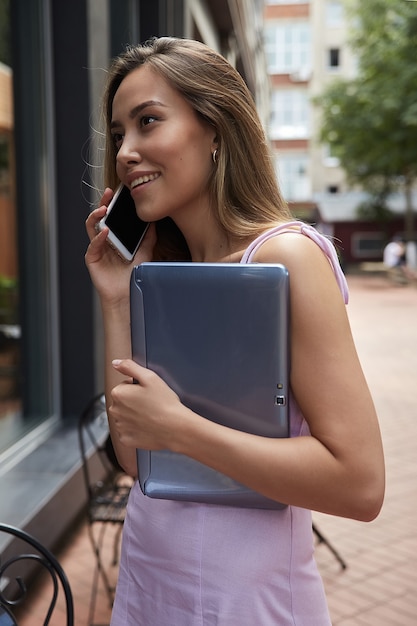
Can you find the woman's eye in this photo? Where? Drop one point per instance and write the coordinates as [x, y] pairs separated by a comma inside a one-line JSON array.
[[117, 140], [147, 119]]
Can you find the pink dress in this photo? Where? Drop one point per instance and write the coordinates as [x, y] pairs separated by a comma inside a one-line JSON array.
[[188, 564]]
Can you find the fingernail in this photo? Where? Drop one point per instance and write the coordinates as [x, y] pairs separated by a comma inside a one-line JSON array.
[[116, 362]]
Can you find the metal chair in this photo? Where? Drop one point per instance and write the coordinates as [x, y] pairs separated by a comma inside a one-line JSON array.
[[107, 487], [322, 539], [14, 577]]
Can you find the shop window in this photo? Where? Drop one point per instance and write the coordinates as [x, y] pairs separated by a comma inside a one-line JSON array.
[[10, 332], [29, 358]]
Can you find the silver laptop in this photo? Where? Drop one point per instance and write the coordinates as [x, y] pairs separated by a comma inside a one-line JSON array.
[[218, 334]]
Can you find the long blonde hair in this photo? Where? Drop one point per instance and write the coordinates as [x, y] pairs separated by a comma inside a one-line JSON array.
[[243, 188]]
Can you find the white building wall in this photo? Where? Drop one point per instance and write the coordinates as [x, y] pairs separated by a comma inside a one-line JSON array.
[[306, 46], [331, 58]]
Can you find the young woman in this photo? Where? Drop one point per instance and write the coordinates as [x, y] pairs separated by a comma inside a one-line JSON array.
[[183, 134]]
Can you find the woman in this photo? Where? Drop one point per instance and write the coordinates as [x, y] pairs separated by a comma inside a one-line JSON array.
[[183, 134]]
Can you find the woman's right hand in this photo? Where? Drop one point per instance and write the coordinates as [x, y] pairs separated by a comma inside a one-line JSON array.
[[109, 274]]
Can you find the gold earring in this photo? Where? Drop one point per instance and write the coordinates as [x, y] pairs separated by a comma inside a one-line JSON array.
[[214, 156]]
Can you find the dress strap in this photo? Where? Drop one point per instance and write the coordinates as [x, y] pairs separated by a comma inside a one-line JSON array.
[[322, 241]]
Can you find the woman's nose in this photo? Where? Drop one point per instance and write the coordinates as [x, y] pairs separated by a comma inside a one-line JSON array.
[[128, 152]]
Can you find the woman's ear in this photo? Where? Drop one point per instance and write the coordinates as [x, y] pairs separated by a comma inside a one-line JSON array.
[[215, 140], [214, 144]]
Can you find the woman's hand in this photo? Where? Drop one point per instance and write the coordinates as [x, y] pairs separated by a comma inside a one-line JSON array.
[[143, 415], [110, 275]]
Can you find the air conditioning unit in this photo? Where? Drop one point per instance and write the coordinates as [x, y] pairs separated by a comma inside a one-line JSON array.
[[301, 75]]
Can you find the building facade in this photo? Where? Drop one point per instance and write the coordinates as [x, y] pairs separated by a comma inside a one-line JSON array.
[[305, 47], [306, 43], [53, 59]]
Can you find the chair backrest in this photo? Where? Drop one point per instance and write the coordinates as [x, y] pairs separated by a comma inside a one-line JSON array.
[[13, 576], [93, 436]]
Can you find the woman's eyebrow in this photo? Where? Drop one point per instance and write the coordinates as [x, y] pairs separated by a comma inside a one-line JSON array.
[[137, 109]]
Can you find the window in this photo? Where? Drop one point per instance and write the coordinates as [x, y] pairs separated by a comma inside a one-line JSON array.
[[288, 48], [368, 245], [333, 58], [329, 158], [292, 173], [287, 2], [333, 189], [290, 115], [29, 359], [334, 13], [10, 331]]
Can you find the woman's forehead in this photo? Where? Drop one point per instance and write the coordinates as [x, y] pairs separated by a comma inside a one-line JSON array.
[[145, 87], [145, 84]]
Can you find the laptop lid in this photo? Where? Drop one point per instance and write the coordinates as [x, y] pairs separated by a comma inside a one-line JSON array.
[[218, 334]]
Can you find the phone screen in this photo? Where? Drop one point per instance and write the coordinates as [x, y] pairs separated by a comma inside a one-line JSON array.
[[123, 221]]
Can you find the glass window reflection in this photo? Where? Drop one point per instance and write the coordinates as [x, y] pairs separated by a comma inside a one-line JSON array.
[[10, 405]]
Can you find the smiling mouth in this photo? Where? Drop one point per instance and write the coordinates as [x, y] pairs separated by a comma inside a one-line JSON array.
[[141, 180]]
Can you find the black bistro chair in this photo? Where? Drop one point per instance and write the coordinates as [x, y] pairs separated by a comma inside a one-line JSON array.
[[14, 577], [107, 488], [322, 539]]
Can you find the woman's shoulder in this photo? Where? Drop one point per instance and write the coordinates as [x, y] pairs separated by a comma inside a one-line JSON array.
[[291, 239], [307, 254], [291, 249]]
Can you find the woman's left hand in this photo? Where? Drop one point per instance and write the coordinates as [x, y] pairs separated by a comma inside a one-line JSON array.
[[145, 415]]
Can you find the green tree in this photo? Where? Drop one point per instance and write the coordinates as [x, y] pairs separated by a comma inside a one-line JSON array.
[[370, 121]]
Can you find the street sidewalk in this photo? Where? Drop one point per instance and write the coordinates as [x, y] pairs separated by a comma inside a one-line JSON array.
[[379, 586]]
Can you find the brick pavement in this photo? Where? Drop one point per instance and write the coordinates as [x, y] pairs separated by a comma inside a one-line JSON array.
[[379, 586]]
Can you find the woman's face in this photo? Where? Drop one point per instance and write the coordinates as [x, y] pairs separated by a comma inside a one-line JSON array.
[[164, 149]]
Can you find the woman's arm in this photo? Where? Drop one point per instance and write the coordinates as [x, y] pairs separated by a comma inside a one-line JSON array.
[[340, 468], [116, 322], [111, 277]]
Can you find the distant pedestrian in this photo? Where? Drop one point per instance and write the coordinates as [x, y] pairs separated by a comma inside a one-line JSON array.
[[395, 258]]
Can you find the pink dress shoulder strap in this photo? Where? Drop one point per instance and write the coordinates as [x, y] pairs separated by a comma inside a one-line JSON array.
[[323, 242]]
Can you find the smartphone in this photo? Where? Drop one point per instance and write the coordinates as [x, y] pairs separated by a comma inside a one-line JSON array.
[[126, 229]]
